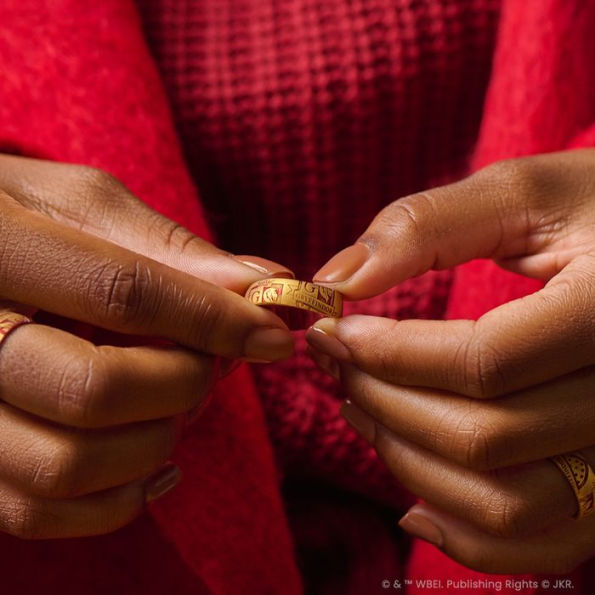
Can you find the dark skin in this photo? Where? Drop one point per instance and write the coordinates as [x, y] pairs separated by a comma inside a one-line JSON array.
[[85, 431], [466, 413]]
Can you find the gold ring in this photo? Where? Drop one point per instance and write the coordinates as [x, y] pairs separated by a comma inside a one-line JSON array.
[[581, 477], [9, 321], [296, 294]]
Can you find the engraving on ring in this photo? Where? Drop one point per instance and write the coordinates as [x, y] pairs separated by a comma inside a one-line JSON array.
[[297, 294]]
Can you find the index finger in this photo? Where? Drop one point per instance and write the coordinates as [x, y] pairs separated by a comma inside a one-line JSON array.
[[74, 274], [511, 211], [520, 344], [92, 200]]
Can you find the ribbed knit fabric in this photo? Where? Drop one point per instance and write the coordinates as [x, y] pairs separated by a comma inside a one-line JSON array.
[[300, 120]]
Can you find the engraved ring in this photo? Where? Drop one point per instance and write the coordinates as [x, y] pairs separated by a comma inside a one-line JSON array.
[[9, 321], [581, 477], [296, 294]]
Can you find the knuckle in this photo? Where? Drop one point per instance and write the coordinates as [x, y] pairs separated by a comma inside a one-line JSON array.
[[476, 442], [176, 237], [56, 474], [413, 215], [207, 317], [506, 515], [96, 180], [529, 179], [402, 214], [83, 391], [122, 294], [484, 377], [511, 173]]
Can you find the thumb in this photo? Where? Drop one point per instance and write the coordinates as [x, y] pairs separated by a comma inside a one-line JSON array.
[[482, 216]]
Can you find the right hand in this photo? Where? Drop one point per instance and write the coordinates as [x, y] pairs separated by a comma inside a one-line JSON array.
[[85, 430]]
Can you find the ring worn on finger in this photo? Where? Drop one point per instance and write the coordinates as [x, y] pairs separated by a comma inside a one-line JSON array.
[[9, 321], [581, 477]]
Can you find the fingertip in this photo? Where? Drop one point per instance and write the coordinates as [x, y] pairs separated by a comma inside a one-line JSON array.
[[236, 272], [264, 266], [419, 524], [360, 421], [162, 482], [322, 336], [343, 265], [358, 272], [265, 345]]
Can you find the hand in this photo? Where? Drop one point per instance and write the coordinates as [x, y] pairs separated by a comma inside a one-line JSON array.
[[85, 430], [466, 413]]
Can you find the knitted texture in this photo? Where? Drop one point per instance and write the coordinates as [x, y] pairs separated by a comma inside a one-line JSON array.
[[302, 119]]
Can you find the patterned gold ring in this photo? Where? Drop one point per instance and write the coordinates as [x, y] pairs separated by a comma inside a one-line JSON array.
[[9, 321], [296, 294], [581, 477]]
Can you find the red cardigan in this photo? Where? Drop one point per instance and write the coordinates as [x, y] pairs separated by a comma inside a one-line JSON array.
[[297, 121]]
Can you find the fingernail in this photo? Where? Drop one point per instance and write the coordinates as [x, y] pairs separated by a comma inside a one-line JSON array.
[[324, 361], [421, 527], [359, 421], [322, 336], [162, 482], [343, 265], [264, 266], [268, 344]]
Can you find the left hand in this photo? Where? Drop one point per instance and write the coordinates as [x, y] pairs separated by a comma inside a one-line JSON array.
[[466, 413]]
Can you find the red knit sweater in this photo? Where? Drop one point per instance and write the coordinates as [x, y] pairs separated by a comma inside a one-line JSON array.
[[298, 121]]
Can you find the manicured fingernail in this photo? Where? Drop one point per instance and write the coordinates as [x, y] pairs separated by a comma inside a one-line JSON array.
[[162, 482], [268, 345], [421, 527], [322, 336], [343, 265], [265, 266], [324, 361], [359, 421]]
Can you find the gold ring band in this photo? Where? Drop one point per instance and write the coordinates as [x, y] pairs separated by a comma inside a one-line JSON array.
[[296, 294], [9, 321], [581, 477]]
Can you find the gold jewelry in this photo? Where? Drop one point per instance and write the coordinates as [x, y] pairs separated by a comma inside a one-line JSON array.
[[581, 477], [296, 294], [9, 321]]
